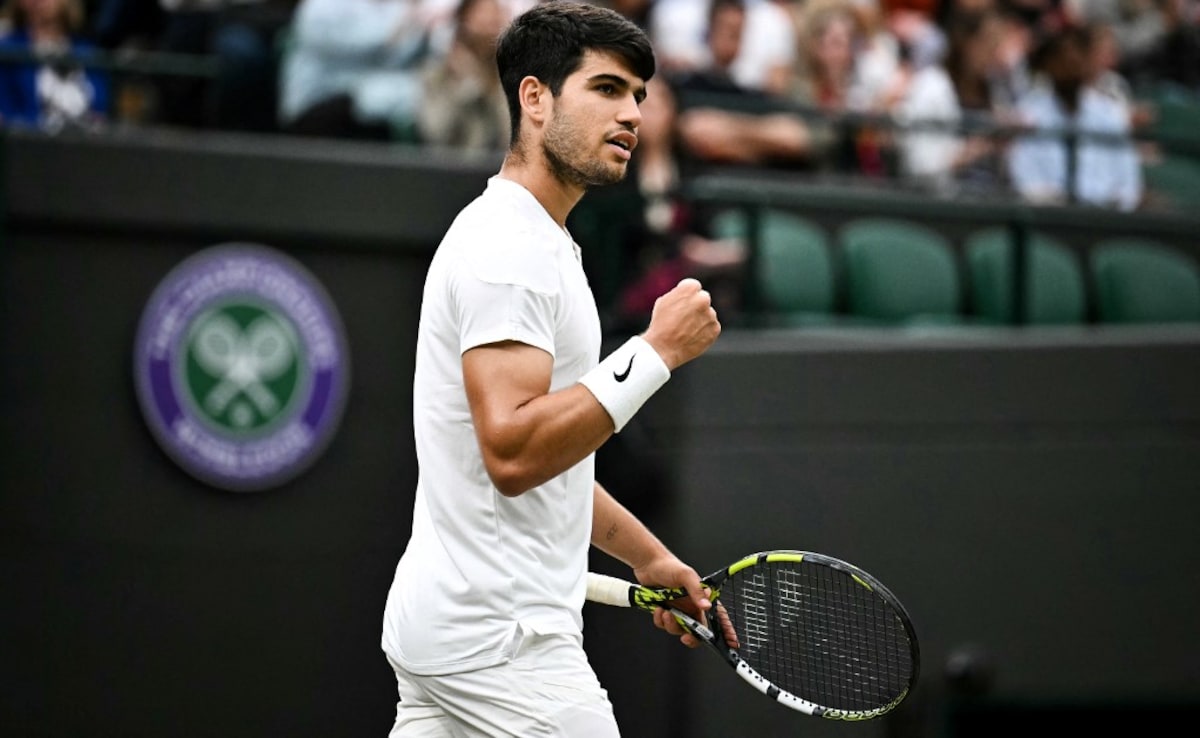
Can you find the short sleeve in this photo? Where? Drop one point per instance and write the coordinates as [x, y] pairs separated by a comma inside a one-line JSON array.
[[490, 312]]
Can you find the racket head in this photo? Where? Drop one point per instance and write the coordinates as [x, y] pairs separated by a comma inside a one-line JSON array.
[[826, 635]]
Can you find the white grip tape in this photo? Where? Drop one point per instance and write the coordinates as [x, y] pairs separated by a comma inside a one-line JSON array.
[[626, 378], [607, 590]]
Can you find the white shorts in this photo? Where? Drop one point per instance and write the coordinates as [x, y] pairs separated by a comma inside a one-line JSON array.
[[547, 690]]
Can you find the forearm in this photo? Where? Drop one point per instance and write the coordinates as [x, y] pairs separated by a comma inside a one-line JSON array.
[[618, 533], [543, 438]]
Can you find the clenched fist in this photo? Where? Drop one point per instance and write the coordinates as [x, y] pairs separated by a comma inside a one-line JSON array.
[[683, 324]]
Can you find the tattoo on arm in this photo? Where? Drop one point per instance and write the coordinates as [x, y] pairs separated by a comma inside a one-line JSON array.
[[612, 533]]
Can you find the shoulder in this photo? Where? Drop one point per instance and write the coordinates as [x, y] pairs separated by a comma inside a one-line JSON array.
[[1037, 103], [1103, 111], [931, 80], [499, 245]]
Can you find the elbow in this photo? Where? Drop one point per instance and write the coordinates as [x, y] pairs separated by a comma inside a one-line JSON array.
[[510, 477]]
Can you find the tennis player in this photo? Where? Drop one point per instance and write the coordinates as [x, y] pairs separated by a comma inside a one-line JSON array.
[[483, 623]]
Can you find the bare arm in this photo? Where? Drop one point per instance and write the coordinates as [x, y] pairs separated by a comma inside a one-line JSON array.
[[722, 135], [528, 434], [618, 533]]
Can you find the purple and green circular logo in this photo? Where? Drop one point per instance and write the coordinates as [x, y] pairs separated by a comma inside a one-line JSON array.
[[241, 366]]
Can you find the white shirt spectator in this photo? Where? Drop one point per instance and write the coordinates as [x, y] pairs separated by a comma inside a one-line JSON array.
[[929, 154], [366, 48], [679, 28], [1106, 173]]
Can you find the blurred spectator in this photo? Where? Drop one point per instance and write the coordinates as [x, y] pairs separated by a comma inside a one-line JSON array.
[[462, 103], [713, 72], [1104, 73], [767, 55], [679, 30], [828, 74], [959, 94], [830, 79], [242, 35], [56, 94], [1013, 77], [1139, 25], [913, 24], [352, 69], [722, 122], [1175, 58], [1071, 166]]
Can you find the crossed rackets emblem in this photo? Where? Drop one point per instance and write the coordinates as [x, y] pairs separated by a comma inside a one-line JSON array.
[[243, 360]]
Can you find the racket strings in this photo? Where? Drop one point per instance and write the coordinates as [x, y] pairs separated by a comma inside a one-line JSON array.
[[816, 632]]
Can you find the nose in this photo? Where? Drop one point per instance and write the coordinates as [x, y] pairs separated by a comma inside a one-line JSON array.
[[630, 114]]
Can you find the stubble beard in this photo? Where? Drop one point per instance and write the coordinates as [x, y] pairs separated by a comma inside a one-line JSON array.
[[562, 149]]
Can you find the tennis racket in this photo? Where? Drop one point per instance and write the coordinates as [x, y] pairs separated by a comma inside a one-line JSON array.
[[814, 633]]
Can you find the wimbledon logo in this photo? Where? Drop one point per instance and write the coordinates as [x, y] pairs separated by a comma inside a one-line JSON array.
[[241, 367]]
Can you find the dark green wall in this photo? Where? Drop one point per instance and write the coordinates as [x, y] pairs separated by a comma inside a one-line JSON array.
[[1031, 492]]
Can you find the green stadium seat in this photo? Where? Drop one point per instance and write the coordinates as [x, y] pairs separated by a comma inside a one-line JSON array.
[[1055, 290], [794, 274], [898, 271], [1139, 280], [1175, 179], [1177, 118]]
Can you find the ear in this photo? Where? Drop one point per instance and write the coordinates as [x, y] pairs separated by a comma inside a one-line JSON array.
[[535, 99]]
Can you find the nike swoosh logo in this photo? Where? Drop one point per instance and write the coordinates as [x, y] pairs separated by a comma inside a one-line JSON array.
[[625, 374]]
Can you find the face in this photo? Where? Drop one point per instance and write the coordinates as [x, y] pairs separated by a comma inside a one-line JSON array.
[[1067, 68], [592, 130], [42, 10], [983, 48], [834, 47], [482, 24], [725, 35]]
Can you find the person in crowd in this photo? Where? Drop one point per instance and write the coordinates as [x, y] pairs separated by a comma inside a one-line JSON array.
[[61, 92], [830, 81], [680, 32], [959, 96], [462, 102], [729, 123], [1175, 57], [1105, 74], [1138, 25], [1080, 151], [770, 42], [913, 23], [352, 69], [242, 36]]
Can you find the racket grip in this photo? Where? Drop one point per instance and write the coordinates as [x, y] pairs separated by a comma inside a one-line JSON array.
[[608, 590]]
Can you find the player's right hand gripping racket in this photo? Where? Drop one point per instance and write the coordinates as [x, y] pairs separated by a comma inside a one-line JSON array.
[[812, 632]]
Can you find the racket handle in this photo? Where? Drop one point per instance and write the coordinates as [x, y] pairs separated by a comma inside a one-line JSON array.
[[608, 590]]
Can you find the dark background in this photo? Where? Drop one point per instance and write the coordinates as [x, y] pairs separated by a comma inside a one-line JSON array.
[[1031, 495]]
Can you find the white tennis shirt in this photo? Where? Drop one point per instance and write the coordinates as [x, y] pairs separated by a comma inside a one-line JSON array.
[[479, 563]]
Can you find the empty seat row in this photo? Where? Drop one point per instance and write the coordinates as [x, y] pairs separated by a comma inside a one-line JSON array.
[[891, 270]]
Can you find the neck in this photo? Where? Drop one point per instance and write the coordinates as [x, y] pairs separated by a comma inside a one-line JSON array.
[[1069, 96], [556, 196]]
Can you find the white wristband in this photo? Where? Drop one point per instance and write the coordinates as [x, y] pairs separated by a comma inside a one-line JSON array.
[[626, 378]]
